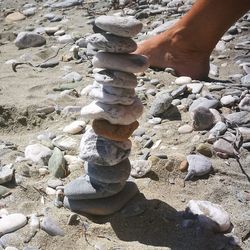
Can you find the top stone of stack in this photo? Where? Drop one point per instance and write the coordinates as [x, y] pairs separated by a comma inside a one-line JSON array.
[[120, 26]]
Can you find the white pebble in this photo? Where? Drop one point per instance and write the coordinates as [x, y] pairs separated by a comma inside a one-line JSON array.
[[183, 80]]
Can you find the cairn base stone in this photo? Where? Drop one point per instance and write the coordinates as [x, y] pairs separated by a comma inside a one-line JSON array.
[[85, 187], [103, 206]]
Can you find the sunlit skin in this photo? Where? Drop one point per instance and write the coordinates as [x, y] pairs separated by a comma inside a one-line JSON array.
[[187, 45]]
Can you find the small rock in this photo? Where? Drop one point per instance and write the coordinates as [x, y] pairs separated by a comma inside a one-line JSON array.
[[185, 129], [6, 173], [50, 227], [54, 182], [204, 149], [75, 127], [4, 191], [140, 168], [202, 118], [183, 166], [37, 153], [224, 149], [245, 103], [72, 77], [65, 142], [14, 17], [203, 102], [30, 11], [29, 39], [195, 87], [183, 80], [65, 39], [228, 100], [241, 118]]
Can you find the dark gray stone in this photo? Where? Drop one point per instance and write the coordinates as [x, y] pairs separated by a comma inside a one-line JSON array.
[[101, 151], [241, 118], [109, 174], [204, 102], [29, 39], [85, 187], [203, 118], [103, 206]]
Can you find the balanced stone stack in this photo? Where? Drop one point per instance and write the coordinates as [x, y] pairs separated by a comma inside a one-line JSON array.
[[105, 147]]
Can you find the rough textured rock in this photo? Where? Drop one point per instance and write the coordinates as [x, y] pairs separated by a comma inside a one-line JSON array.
[[202, 118], [114, 132], [115, 114]]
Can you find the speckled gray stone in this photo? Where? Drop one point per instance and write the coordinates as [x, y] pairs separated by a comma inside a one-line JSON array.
[[124, 62], [120, 26], [109, 174], [29, 39], [103, 206], [115, 114], [116, 78], [111, 43], [85, 187], [101, 151]]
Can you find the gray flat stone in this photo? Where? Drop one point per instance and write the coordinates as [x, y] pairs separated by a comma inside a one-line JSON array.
[[85, 187], [112, 95], [29, 39], [120, 26], [115, 113], [241, 118], [109, 174], [112, 43], [116, 78], [101, 151], [203, 102], [6, 173], [103, 206], [124, 62], [66, 4]]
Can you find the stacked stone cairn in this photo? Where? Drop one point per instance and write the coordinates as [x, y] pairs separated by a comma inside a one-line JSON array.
[[105, 187]]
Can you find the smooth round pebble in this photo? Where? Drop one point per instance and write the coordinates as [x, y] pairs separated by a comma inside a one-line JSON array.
[[185, 129], [183, 80], [75, 127]]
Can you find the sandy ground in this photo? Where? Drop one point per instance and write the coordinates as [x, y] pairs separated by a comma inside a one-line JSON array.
[[162, 193]]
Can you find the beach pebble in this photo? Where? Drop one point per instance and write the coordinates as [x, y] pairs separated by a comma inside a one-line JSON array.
[[202, 118], [109, 174], [106, 206], [85, 187], [12, 222], [203, 102], [161, 103], [65, 142], [6, 173], [114, 132], [224, 149], [140, 168], [101, 151], [37, 152], [183, 80], [228, 100], [29, 39], [115, 114], [244, 104], [195, 87], [124, 62], [57, 164], [120, 26], [75, 127], [116, 78], [50, 227], [185, 129], [183, 166], [112, 95], [210, 215], [241, 118], [111, 43], [51, 30], [198, 165], [14, 17]]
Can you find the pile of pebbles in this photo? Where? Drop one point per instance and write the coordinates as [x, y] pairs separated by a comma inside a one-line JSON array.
[[106, 147]]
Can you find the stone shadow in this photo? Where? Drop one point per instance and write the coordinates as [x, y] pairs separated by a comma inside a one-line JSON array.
[[155, 223]]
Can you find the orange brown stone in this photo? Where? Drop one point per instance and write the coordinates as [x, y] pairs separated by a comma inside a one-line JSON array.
[[114, 132]]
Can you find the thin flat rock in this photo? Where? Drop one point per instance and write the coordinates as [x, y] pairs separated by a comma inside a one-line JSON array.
[[120, 26], [115, 114], [124, 62], [116, 78], [103, 206], [109, 174], [85, 187], [111, 43]]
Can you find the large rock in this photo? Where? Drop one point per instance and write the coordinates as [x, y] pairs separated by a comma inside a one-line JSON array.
[[115, 114], [29, 39], [85, 187], [124, 62], [116, 78], [105, 206], [12, 222], [109, 174], [120, 26], [112, 95], [112, 43], [57, 164], [101, 151], [114, 132], [38, 153]]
